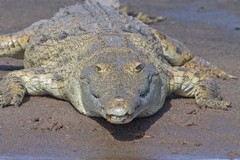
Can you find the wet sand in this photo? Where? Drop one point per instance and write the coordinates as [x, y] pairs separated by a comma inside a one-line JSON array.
[[47, 128]]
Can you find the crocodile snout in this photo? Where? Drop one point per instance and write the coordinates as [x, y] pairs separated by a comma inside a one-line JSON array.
[[119, 110], [118, 107]]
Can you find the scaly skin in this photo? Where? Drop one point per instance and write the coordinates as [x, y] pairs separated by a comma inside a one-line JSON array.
[[11, 45], [105, 64]]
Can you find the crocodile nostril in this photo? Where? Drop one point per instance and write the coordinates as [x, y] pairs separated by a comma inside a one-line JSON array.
[[118, 107]]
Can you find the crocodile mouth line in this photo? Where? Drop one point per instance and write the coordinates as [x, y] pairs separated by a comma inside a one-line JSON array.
[[119, 119]]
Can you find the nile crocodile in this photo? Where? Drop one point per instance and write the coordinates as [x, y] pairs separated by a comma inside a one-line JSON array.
[[105, 63]]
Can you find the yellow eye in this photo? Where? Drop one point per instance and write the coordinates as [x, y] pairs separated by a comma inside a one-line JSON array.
[[139, 68], [102, 68]]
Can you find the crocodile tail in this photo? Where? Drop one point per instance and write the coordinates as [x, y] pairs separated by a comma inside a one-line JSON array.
[[13, 45], [109, 3]]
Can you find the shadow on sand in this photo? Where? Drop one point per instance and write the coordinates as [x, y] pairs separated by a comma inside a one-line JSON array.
[[10, 68], [135, 129]]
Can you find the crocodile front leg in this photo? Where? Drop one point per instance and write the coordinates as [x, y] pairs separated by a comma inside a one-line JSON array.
[[13, 45], [191, 83], [34, 81]]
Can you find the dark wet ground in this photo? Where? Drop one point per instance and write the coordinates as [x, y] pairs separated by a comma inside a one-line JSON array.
[[46, 128]]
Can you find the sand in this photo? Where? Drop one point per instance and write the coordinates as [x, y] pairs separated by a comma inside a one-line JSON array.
[[47, 128]]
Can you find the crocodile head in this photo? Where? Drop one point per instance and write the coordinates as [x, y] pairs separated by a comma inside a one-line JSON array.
[[118, 87]]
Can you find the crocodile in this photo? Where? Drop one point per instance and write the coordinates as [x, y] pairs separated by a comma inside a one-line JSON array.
[[106, 64]]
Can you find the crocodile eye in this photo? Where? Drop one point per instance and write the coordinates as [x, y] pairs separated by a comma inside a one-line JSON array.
[[98, 68], [139, 67], [102, 68]]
